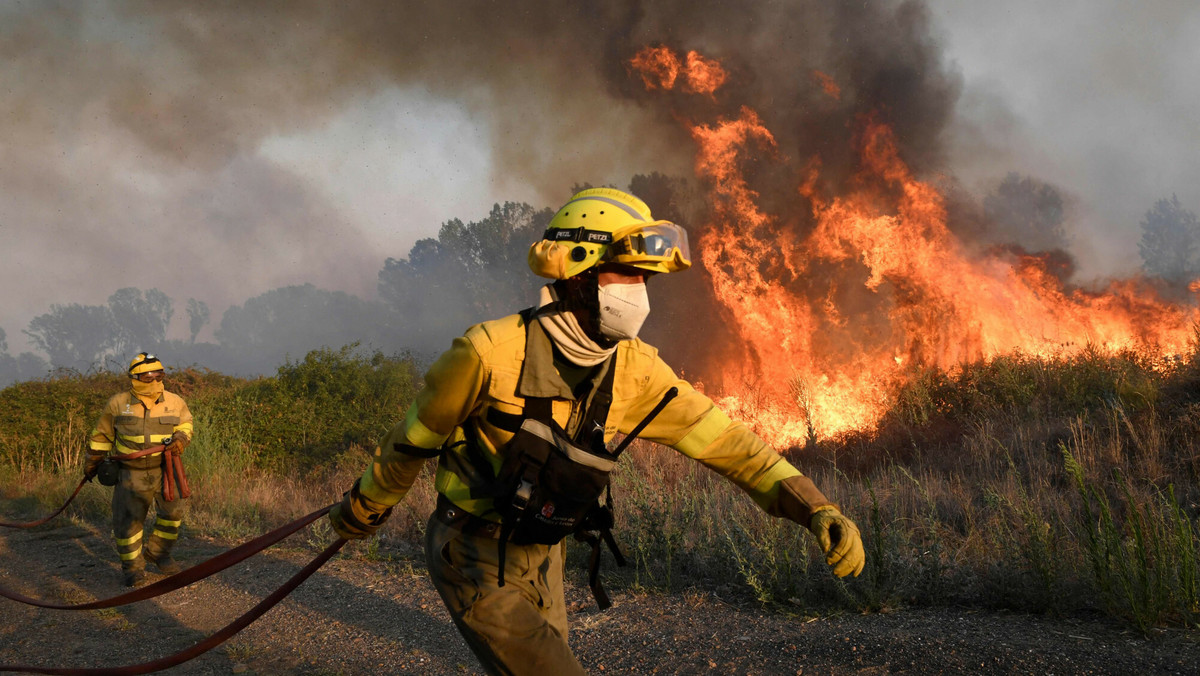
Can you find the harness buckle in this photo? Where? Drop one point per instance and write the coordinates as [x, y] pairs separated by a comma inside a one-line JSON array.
[[524, 492]]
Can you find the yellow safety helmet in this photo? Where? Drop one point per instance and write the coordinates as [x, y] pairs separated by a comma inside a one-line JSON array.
[[605, 225], [144, 362]]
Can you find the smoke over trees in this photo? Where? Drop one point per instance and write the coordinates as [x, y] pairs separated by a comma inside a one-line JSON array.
[[139, 318], [83, 336], [1027, 212], [198, 316], [25, 366], [472, 271], [1170, 244]]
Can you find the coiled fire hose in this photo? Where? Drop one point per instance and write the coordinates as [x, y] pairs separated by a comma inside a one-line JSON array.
[[182, 579]]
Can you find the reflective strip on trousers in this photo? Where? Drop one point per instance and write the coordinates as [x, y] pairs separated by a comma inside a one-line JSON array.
[[167, 529], [125, 542]]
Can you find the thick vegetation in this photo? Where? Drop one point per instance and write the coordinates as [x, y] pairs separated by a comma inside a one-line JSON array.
[[1065, 485]]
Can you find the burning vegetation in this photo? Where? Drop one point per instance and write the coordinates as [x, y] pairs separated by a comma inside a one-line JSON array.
[[843, 290]]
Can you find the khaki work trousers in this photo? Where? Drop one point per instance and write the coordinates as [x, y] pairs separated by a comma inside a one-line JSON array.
[[520, 628], [136, 490]]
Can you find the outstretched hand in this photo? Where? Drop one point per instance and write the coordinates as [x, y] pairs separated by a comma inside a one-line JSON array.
[[839, 539], [357, 517]]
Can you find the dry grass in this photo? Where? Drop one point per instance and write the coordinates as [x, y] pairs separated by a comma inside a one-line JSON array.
[[1067, 487]]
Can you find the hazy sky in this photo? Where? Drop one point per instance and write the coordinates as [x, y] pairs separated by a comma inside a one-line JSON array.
[[223, 153], [1098, 97]]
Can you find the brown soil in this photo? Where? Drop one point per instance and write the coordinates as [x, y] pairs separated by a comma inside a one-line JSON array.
[[358, 616]]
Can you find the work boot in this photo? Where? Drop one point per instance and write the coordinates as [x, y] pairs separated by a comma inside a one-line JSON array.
[[165, 564], [134, 577]]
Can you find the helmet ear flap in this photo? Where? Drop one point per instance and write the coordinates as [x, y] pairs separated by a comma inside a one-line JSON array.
[[550, 259]]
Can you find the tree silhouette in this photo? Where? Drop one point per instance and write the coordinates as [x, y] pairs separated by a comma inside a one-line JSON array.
[[197, 316], [471, 272], [293, 320], [1027, 212], [139, 319], [1170, 241], [74, 336]]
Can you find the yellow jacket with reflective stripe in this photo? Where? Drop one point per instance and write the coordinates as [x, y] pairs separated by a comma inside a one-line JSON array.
[[127, 426], [483, 370]]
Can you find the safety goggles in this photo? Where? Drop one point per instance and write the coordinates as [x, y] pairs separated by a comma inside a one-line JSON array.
[[150, 376], [660, 241]]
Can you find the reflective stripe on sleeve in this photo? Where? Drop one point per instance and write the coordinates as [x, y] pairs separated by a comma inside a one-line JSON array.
[[418, 433], [778, 472], [372, 491], [704, 433], [100, 445]]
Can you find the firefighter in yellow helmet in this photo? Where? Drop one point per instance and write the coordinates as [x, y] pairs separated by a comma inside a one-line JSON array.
[[142, 417], [520, 411]]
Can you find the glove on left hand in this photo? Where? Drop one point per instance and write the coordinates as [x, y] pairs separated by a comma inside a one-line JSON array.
[[178, 443], [839, 539], [90, 465], [357, 517]]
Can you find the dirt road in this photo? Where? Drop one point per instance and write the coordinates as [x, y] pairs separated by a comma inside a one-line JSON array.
[[383, 617]]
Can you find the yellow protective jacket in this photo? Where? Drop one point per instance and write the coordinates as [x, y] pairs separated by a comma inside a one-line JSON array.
[[127, 426], [489, 371]]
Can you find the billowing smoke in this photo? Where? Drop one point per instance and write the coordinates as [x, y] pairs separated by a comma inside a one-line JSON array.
[[130, 132]]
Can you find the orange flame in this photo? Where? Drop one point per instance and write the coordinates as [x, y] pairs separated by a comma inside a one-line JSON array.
[[660, 68], [703, 76], [831, 323]]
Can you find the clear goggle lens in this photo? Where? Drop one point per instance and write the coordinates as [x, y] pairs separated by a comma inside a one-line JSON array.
[[657, 240]]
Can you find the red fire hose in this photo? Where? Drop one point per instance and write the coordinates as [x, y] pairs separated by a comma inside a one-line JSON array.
[[173, 475], [31, 524], [203, 646], [182, 579]]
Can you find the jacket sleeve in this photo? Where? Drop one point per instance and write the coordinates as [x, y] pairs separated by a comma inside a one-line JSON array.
[[451, 391], [693, 425], [103, 435]]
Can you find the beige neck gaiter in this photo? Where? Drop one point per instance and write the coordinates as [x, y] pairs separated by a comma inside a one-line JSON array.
[[147, 392], [568, 336]]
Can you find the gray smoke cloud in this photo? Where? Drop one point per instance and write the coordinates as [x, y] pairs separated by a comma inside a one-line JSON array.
[[1097, 98]]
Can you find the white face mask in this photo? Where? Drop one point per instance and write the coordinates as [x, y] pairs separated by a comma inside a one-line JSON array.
[[623, 308]]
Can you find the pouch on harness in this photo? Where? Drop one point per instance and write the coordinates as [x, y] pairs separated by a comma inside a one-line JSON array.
[[551, 486], [108, 472]]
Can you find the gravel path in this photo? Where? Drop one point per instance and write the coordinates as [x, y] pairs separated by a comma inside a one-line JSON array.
[[357, 616]]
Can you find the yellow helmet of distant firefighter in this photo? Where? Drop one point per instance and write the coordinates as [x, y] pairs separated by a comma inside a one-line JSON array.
[[606, 225], [144, 362]]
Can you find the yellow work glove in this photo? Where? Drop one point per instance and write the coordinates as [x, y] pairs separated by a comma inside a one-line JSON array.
[[357, 517], [839, 539]]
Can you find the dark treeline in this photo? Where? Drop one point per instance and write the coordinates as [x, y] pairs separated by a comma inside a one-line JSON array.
[[477, 270], [469, 272]]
